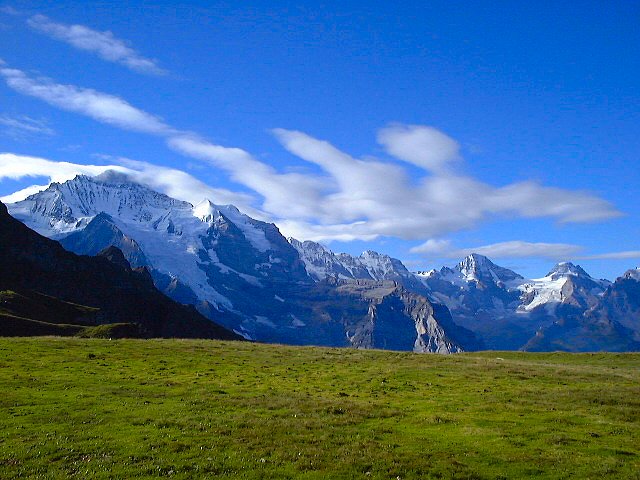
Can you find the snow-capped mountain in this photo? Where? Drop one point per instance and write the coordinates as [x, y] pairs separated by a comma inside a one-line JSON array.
[[505, 308], [244, 274], [566, 284], [612, 323], [58, 292], [237, 270], [166, 234], [321, 263]]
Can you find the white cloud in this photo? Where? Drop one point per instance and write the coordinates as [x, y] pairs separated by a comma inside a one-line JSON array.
[[285, 194], [24, 193], [175, 183], [352, 198], [371, 197], [99, 106], [423, 146], [22, 126], [436, 247], [511, 249], [104, 44]]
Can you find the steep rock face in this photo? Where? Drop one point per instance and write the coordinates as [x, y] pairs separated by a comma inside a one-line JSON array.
[[398, 319], [480, 269], [32, 263], [621, 303]]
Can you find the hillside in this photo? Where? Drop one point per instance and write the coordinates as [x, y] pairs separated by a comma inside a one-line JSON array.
[[42, 279], [196, 409]]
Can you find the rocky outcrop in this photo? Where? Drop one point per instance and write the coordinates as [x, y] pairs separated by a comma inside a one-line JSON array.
[[399, 319]]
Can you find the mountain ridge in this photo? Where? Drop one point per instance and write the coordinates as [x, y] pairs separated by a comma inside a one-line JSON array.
[[260, 284], [235, 269]]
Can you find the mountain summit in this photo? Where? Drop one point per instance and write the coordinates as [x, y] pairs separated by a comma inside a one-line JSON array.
[[563, 269], [479, 268]]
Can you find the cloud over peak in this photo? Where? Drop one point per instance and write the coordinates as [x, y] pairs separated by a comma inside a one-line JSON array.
[[175, 183]]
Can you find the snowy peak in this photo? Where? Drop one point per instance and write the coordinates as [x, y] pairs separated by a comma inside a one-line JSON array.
[[566, 284], [564, 269], [479, 268], [320, 262], [206, 211], [475, 261], [65, 207], [311, 250], [382, 263], [427, 273]]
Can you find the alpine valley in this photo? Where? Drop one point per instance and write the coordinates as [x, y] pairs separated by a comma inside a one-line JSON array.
[[242, 273]]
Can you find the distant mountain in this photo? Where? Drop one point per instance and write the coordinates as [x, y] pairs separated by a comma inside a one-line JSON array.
[[510, 312], [242, 272], [46, 288], [321, 263], [482, 297], [610, 323]]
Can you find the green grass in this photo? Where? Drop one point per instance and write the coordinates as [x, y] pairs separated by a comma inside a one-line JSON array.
[[91, 408]]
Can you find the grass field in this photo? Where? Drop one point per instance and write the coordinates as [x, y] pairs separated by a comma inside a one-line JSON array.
[[91, 408]]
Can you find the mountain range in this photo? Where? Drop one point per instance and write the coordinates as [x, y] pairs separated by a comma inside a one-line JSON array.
[[243, 274]]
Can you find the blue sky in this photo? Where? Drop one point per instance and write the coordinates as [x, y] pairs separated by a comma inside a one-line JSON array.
[[426, 130]]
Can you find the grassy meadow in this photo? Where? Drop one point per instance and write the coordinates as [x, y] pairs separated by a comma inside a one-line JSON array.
[[94, 408]]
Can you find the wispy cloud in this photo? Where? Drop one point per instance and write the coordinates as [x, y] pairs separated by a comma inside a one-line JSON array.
[[628, 254], [285, 194], [104, 44], [175, 183], [511, 249], [99, 106], [374, 197], [21, 127], [351, 198]]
